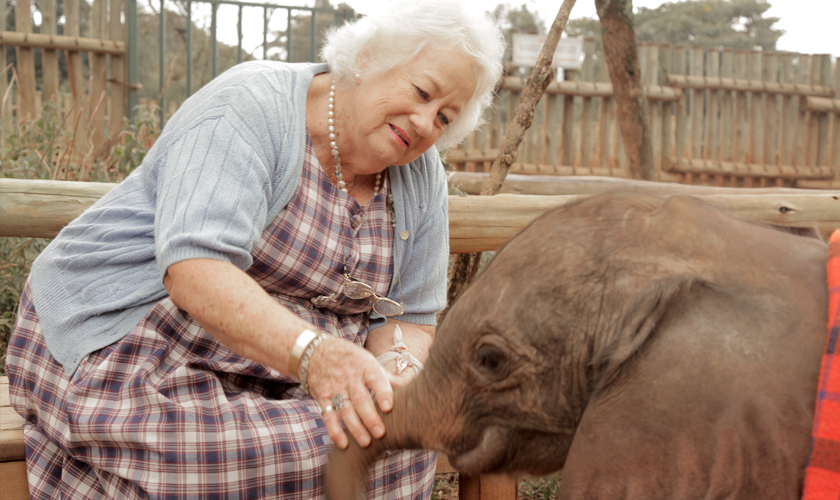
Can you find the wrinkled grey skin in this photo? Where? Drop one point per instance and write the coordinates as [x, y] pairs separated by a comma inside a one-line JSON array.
[[651, 347]]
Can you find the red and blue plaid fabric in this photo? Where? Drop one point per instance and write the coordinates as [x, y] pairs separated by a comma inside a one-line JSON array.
[[822, 476], [169, 412]]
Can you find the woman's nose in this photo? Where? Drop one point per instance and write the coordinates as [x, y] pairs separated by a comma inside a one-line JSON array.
[[424, 121]]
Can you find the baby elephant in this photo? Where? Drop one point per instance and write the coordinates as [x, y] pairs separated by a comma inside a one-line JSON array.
[[650, 347]]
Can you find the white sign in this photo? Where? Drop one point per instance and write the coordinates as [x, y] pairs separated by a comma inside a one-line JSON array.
[[526, 50]]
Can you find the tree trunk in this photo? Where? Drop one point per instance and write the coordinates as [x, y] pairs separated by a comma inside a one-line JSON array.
[[619, 41]]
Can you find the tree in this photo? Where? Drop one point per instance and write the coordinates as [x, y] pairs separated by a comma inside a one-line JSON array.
[[301, 31], [736, 24], [621, 55]]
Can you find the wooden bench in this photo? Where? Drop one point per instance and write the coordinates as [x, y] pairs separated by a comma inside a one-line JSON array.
[[13, 463]]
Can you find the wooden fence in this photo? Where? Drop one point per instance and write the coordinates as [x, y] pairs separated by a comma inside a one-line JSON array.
[[719, 117], [94, 102]]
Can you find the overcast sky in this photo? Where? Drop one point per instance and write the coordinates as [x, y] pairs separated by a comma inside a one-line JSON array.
[[811, 26]]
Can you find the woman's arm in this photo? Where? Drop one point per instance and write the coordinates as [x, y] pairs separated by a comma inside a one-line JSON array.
[[418, 339], [242, 316]]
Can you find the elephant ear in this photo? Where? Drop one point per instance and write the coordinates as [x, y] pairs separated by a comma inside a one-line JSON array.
[[638, 324]]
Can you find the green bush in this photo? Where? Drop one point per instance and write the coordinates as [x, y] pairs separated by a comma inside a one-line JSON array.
[[46, 148]]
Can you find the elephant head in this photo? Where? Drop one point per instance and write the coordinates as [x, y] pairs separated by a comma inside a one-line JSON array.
[[651, 347]]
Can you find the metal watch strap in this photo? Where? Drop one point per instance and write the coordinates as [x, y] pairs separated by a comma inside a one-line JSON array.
[[301, 343], [307, 355]]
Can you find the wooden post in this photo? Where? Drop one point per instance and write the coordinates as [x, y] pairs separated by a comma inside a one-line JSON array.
[[568, 144], [49, 58], [602, 155], [666, 62], [727, 117], [754, 105], [587, 75], [650, 76], [696, 109], [94, 133], [801, 113], [5, 111], [25, 64], [786, 123], [822, 134], [682, 139], [811, 153], [835, 121], [741, 132], [489, 487], [711, 133], [74, 72], [770, 74], [119, 75]]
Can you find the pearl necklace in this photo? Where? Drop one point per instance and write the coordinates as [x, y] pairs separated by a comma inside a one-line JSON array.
[[334, 145]]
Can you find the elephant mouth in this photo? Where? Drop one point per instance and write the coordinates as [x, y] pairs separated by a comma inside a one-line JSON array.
[[487, 456]]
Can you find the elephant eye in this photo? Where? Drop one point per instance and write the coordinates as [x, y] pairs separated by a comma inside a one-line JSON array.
[[491, 359]]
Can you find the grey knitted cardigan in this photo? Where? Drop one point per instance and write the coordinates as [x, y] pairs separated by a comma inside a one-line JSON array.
[[225, 165]]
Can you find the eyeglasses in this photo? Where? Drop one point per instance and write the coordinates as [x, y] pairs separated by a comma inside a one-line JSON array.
[[356, 289]]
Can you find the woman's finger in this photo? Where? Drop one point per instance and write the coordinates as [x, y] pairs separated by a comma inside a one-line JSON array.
[[377, 379], [354, 425], [332, 419], [366, 410]]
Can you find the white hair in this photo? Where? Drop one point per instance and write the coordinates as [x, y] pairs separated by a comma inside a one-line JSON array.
[[401, 29]]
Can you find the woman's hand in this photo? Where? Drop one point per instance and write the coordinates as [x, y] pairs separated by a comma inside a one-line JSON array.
[[341, 367]]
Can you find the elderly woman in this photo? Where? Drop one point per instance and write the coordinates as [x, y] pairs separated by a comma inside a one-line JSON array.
[[266, 278]]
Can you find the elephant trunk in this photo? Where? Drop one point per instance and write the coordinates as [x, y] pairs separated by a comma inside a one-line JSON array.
[[347, 470]]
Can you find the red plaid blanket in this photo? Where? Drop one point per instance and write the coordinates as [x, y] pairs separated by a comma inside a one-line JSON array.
[[822, 476]]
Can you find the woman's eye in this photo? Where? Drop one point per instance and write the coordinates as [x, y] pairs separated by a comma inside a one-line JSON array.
[[443, 118], [422, 93]]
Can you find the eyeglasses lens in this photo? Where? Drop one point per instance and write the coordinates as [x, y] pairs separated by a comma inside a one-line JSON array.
[[384, 306], [387, 307]]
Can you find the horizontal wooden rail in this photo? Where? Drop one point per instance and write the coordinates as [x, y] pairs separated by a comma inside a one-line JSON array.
[[476, 223], [713, 167], [721, 83], [553, 185], [61, 42], [823, 104], [39, 209], [484, 223], [593, 89]]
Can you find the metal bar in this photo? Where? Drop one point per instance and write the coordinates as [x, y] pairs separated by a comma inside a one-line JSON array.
[[189, 48], [162, 35], [271, 5], [239, 37], [214, 49], [131, 21], [265, 33], [288, 35], [312, 30]]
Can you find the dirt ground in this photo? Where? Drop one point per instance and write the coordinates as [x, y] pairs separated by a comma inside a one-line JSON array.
[[542, 488]]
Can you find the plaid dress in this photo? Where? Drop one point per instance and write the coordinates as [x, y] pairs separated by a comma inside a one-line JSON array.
[[170, 412]]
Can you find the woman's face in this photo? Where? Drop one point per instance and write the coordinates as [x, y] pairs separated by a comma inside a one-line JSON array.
[[400, 114]]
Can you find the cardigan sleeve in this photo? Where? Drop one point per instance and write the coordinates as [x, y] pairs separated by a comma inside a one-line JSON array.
[[215, 181]]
